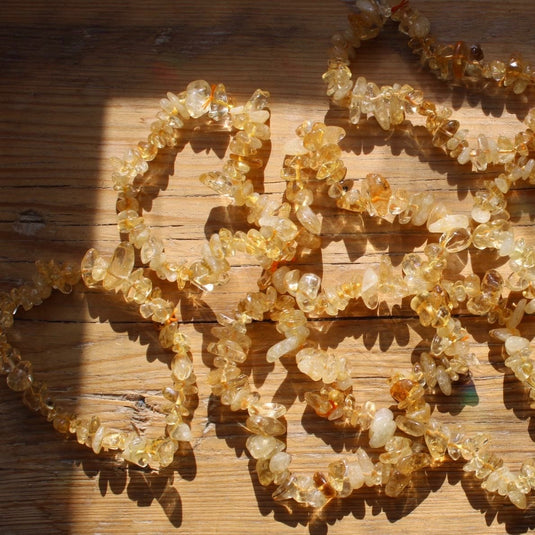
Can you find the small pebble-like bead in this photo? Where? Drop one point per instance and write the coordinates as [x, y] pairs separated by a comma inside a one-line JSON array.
[[166, 451], [181, 367], [198, 98], [267, 409], [263, 447], [382, 428], [279, 462], [517, 344], [264, 425], [355, 475], [120, 266], [181, 432], [20, 377]]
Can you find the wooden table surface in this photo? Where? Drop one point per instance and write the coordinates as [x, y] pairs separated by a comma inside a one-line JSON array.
[[80, 83]]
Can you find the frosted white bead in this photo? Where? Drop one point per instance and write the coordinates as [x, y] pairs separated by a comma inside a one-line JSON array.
[[515, 344], [480, 215], [279, 462], [181, 432], [355, 475], [382, 428], [449, 222], [263, 447]]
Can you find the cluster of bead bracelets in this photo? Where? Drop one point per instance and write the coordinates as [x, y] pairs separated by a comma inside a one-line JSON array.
[[399, 444], [302, 290], [117, 274], [433, 299]]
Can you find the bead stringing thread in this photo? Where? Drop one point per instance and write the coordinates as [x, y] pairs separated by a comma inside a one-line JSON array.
[[400, 442]]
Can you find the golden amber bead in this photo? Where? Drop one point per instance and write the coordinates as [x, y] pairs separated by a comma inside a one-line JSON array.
[[400, 389]]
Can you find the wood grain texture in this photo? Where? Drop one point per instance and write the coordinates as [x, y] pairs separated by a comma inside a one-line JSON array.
[[80, 83]]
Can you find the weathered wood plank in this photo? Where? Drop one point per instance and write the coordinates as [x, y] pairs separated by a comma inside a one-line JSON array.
[[80, 84]]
